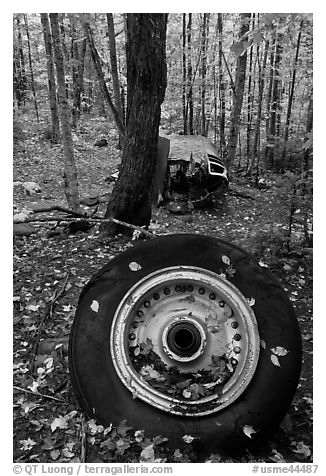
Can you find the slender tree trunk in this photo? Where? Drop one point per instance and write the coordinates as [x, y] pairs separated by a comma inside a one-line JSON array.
[[189, 75], [146, 79], [275, 102], [269, 99], [70, 170], [221, 85], [74, 55], [309, 125], [31, 68], [184, 75], [99, 70], [114, 69], [51, 78], [240, 77], [250, 95], [204, 36], [261, 83], [291, 96], [22, 69]]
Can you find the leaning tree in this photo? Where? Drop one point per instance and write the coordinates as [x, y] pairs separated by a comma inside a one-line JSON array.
[[146, 84]]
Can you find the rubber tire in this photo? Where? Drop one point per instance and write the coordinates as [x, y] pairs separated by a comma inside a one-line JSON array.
[[262, 405]]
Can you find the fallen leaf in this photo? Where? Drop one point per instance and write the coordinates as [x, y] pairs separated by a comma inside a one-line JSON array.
[[188, 439], [27, 444], [60, 422], [54, 454], [248, 430], [95, 306], [226, 260], [262, 264], [251, 301], [280, 351], [275, 360], [148, 454], [302, 449], [133, 266]]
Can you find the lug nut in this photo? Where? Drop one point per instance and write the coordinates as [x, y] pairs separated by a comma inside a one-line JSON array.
[[237, 350], [190, 288], [212, 296], [178, 289], [156, 296], [234, 362], [237, 337], [132, 336], [201, 291], [221, 303], [147, 304], [167, 291], [139, 313], [234, 324]]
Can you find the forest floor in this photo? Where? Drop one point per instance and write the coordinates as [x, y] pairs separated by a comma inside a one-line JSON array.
[[49, 273]]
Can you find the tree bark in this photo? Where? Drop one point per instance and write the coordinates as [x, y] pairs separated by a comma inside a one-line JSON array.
[[250, 95], [51, 78], [291, 96], [240, 77], [114, 65], [221, 86], [275, 102], [261, 83], [204, 36], [99, 70], [190, 103], [146, 84], [31, 68], [184, 75], [70, 170], [21, 62], [269, 98]]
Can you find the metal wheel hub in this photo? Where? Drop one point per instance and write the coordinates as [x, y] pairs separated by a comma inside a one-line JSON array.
[[185, 340]]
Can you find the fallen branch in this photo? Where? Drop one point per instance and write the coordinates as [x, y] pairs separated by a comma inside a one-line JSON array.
[[38, 394], [90, 220], [48, 311]]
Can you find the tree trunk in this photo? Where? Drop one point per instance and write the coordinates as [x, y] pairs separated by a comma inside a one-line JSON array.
[[240, 77], [114, 69], [70, 171], [22, 69], [184, 75], [261, 83], [291, 96], [146, 83], [74, 55], [31, 68], [221, 86], [190, 103], [99, 70], [269, 99], [204, 36], [51, 78], [309, 125], [250, 96], [275, 102]]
